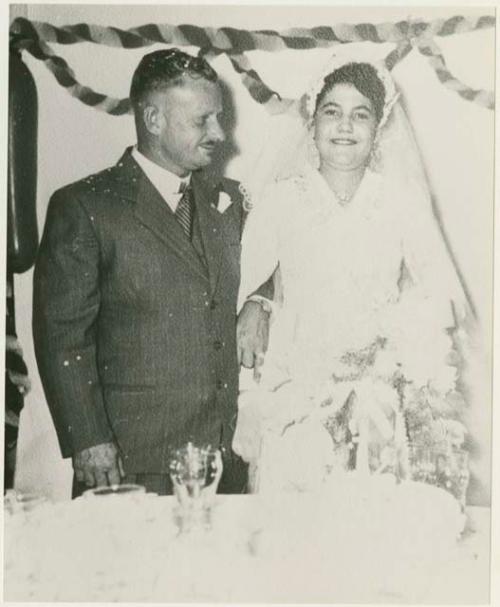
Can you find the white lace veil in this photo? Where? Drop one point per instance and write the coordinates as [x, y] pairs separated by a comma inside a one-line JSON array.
[[398, 161]]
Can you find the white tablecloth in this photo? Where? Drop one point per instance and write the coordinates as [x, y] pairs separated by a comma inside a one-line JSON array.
[[100, 550]]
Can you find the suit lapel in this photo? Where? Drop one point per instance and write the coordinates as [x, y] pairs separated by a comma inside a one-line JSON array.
[[155, 214], [211, 226]]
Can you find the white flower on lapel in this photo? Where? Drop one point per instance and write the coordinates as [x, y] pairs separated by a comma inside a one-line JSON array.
[[224, 202]]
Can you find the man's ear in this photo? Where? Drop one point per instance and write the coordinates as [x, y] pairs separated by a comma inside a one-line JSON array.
[[152, 118]]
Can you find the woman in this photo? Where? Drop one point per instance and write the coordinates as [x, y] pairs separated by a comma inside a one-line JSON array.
[[369, 294]]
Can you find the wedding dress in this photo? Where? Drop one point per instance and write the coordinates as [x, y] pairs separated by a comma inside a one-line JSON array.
[[368, 294]]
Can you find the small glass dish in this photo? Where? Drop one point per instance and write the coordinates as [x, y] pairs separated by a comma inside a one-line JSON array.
[[126, 489]]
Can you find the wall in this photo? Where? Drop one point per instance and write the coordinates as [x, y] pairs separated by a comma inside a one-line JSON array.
[[456, 139]]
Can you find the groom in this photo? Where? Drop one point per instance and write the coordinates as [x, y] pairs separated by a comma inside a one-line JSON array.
[[135, 291]]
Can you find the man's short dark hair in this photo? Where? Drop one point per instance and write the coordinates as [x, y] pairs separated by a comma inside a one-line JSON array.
[[160, 69]]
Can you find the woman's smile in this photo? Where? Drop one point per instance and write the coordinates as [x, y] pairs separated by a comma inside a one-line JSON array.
[[343, 141]]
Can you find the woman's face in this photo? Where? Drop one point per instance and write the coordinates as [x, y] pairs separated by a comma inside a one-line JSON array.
[[344, 128]]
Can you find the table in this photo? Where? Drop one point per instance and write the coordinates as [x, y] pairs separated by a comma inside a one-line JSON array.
[[95, 550]]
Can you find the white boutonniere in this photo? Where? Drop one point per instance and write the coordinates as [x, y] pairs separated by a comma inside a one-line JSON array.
[[223, 202]]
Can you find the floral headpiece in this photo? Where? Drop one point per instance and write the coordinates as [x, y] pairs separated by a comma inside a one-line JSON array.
[[334, 63]]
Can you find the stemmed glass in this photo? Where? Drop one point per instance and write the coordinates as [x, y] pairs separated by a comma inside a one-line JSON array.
[[195, 472]]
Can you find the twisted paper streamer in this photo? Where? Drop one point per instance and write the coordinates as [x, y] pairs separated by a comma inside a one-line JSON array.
[[64, 74], [34, 36], [228, 39], [431, 50]]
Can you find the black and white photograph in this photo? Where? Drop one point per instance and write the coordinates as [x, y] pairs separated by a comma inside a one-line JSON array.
[[249, 297]]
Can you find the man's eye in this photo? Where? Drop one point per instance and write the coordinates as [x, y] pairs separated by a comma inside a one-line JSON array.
[[200, 121]]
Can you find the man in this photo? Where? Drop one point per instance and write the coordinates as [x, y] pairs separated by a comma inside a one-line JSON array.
[[135, 292]]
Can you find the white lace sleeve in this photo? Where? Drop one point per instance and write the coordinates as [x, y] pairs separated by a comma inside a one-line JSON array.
[[259, 254]]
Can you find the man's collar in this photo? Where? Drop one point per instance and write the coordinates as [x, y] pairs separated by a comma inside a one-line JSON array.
[[164, 180]]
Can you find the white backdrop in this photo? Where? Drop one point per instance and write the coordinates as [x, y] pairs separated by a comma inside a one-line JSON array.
[[456, 139]]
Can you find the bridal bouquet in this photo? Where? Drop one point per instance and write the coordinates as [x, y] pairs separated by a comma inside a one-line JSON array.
[[404, 411], [389, 407]]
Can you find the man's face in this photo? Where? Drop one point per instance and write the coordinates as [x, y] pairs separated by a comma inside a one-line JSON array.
[[188, 128]]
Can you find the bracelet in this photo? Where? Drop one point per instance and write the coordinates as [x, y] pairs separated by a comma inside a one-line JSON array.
[[264, 303]]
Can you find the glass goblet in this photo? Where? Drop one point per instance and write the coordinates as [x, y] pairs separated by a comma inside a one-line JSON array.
[[195, 472]]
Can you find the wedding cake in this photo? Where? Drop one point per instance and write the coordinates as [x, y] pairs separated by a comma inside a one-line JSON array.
[[353, 540]]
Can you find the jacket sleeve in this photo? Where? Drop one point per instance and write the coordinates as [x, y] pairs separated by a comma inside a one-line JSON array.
[[66, 300]]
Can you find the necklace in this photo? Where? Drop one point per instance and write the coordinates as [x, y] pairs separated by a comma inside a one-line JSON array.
[[342, 199]]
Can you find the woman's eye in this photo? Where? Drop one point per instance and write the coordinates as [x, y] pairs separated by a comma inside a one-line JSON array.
[[361, 116], [332, 112]]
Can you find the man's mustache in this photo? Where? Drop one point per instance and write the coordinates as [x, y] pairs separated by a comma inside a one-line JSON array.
[[210, 143]]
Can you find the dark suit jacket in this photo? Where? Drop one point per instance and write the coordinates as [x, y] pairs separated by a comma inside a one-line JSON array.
[[135, 336]]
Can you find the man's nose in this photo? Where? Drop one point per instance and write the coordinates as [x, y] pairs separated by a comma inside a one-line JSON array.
[[216, 132]]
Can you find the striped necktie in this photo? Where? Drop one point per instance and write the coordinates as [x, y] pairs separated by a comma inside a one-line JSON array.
[[184, 211]]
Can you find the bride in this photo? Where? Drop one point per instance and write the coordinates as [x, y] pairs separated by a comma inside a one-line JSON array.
[[366, 297]]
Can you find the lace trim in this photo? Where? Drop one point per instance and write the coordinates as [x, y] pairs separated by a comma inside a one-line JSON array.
[[247, 198]]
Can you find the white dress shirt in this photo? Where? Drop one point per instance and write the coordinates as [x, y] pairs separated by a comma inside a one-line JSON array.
[[168, 184]]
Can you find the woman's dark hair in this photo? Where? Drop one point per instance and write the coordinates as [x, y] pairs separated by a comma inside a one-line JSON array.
[[161, 69], [364, 78]]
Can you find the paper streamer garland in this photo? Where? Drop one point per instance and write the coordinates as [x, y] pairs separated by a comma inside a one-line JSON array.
[[64, 74], [236, 40], [35, 36], [431, 50]]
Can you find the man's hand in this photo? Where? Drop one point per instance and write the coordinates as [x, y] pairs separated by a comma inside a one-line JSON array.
[[98, 466], [252, 334]]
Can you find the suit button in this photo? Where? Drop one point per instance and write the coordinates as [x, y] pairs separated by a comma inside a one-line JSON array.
[[221, 384], [218, 345]]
